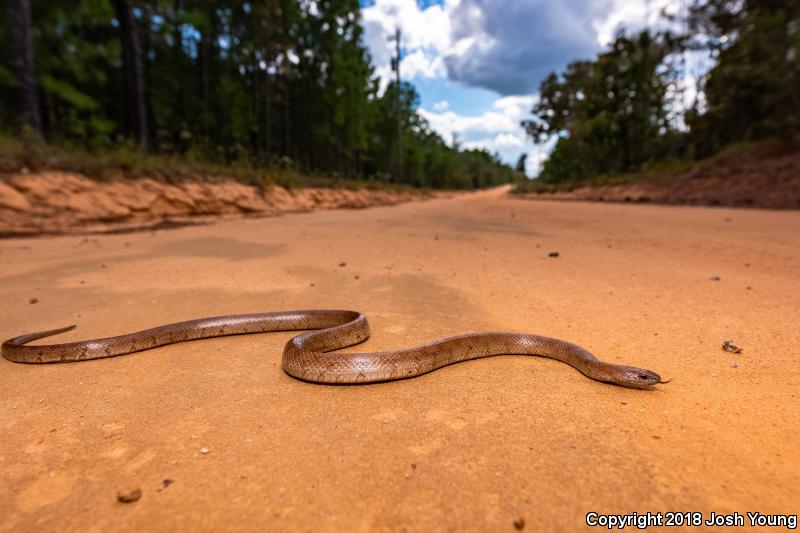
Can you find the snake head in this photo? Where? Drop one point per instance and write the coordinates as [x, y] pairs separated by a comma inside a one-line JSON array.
[[630, 376]]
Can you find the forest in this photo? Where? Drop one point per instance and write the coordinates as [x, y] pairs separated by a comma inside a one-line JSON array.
[[289, 84], [625, 110], [268, 84]]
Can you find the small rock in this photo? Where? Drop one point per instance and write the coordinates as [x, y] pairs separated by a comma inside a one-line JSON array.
[[715, 278], [553, 254], [33, 300], [519, 524], [730, 346], [204, 450], [342, 264], [413, 466], [734, 365], [129, 495], [355, 277], [167, 482]]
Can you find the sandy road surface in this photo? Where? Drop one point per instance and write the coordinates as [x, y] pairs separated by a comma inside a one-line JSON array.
[[474, 446]]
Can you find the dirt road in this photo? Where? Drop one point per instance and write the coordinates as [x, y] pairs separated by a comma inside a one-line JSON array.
[[216, 436]]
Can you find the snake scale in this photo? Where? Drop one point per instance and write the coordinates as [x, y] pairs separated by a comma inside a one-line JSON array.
[[307, 356]]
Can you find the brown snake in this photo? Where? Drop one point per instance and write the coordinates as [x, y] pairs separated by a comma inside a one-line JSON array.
[[305, 355]]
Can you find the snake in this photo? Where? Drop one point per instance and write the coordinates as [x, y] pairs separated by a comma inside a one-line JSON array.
[[311, 356]]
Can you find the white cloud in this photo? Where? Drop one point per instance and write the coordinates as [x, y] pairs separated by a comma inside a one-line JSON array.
[[499, 142], [425, 37], [450, 122], [496, 130], [509, 46], [422, 28], [506, 46], [421, 65], [635, 16], [516, 107]]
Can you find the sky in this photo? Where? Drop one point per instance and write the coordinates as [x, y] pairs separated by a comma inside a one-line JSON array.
[[477, 64]]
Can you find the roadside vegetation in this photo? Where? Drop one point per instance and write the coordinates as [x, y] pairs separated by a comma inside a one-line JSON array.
[[282, 88], [127, 160], [623, 116], [667, 171]]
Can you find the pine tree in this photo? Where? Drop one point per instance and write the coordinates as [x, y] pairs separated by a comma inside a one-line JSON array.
[[21, 58]]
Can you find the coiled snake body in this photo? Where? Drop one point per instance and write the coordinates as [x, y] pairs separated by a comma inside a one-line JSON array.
[[306, 356]]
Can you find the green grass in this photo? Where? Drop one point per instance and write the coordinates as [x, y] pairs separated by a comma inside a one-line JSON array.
[[657, 172], [750, 150], [667, 170], [126, 160]]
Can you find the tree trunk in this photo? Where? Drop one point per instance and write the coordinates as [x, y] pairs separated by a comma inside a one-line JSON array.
[[268, 105], [21, 60], [286, 138], [205, 50], [177, 49], [133, 72]]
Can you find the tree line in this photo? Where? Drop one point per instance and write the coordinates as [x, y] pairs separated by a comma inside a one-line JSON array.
[[272, 82], [623, 111]]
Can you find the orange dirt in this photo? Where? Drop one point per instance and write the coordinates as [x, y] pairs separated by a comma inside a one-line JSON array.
[[216, 436], [742, 182], [59, 202]]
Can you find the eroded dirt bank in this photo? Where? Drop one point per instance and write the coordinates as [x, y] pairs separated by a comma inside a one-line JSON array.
[[60, 202], [772, 183]]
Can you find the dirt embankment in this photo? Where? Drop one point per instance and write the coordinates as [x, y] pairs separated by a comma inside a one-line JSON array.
[[58, 202], [772, 183]]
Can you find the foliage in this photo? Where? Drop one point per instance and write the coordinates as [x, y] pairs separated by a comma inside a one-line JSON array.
[[670, 171], [609, 115], [613, 116], [24, 153], [271, 84], [521, 162], [752, 91]]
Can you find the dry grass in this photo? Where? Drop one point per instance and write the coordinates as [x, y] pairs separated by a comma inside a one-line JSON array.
[[126, 160], [665, 171]]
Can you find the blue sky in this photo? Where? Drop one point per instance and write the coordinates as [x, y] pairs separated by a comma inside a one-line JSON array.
[[477, 63]]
